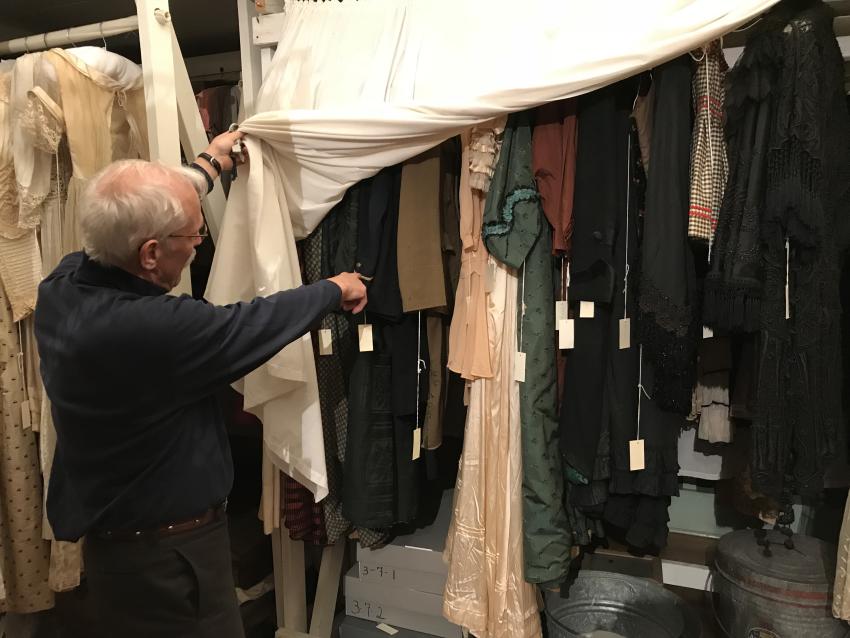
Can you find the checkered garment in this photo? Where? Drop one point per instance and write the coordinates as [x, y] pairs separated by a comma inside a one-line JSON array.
[[709, 164]]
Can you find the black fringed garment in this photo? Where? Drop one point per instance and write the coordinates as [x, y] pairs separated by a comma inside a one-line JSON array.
[[784, 214]]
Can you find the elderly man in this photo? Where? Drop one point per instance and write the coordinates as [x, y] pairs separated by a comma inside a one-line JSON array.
[[142, 466]]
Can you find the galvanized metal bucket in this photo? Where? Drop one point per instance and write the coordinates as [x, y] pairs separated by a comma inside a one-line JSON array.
[[785, 595], [606, 604]]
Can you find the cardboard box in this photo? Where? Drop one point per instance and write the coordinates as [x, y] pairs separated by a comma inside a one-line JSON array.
[[397, 606], [421, 551]]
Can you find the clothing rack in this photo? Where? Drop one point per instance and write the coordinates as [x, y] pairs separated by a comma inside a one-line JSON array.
[[172, 113], [70, 36]]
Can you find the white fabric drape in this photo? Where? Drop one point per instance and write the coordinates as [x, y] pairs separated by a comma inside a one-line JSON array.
[[357, 86]]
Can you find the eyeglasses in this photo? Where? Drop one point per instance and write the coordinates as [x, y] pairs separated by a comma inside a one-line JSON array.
[[202, 233]]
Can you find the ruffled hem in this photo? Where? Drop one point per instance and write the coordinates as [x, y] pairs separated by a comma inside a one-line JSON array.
[[731, 307], [659, 478]]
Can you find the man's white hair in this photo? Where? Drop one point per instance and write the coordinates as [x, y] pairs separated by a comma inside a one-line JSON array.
[[130, 202]]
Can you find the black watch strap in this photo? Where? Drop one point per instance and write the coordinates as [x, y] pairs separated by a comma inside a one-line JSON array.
[[213, 161], [203, 171]]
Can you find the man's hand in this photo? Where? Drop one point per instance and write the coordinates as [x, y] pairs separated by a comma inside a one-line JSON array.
[[353, 291], [221, 148]]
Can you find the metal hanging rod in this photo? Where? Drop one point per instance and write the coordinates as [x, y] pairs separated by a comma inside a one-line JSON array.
[[71, 36]]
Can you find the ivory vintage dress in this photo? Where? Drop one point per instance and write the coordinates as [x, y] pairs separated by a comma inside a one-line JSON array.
[[469, 353], [486, 591]]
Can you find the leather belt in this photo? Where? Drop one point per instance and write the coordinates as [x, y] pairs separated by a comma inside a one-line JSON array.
[[210, 516]]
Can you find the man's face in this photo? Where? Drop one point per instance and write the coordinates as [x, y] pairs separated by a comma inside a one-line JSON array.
[[178, 250], [162, 262]]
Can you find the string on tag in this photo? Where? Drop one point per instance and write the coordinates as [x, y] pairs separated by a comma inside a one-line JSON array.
[[787, 279], [641, 390], [522, 309], [563, 280], [20, 356], [628, 209], [421, 366]]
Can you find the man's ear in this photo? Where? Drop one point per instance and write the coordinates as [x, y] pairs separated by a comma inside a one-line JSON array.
[[149, 255]]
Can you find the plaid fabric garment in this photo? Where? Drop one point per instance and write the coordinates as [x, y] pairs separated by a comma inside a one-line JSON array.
[[303, 517], [709, 164]]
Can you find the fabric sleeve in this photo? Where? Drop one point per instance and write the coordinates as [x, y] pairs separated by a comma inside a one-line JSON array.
[[211, 346]]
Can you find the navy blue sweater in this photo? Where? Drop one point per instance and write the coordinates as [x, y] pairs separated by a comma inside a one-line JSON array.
[[131, 373]]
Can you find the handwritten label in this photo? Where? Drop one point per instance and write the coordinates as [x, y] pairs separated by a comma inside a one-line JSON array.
[[519, 367], [625, 334], [326, 342], [637, 457], [561, 311], [490, 277], [417, 443], [366, 609], [707, 333], [586, 310], [364, 332], [567, 334], [377, 572], [25, 414]]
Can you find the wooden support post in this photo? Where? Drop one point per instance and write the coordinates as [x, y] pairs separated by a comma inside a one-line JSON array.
[[155, 41], [295, 592], [193, 138], [327, 591], [251, 70]]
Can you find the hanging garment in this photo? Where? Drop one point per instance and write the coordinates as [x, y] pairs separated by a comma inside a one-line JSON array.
[[24, 555], [214, 105], [841, 591], [20, 268], [554, 162], [601, 198], [283, 393], [668, 303], [97, 87], [642, 111], [332, 369], [377, 244], [301, 515], [711, 396], [781, 228], [469, 352], [420, 259], [709, 164], [485, 589], [517, 234]]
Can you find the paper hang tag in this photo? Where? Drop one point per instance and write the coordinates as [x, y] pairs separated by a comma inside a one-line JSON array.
[[586, 310], [25, 414], [519, 367], [392, 631], [637, 457], [566, 334], [326, 342], [490, 277], [466, 390], [625, 333], [707, 333], [417, 443], [364, 332], [561, 311]]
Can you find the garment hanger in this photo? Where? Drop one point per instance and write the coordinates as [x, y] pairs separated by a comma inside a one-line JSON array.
[[105, 48]]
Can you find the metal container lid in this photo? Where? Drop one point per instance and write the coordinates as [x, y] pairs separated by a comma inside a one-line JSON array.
[[803, 575]]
